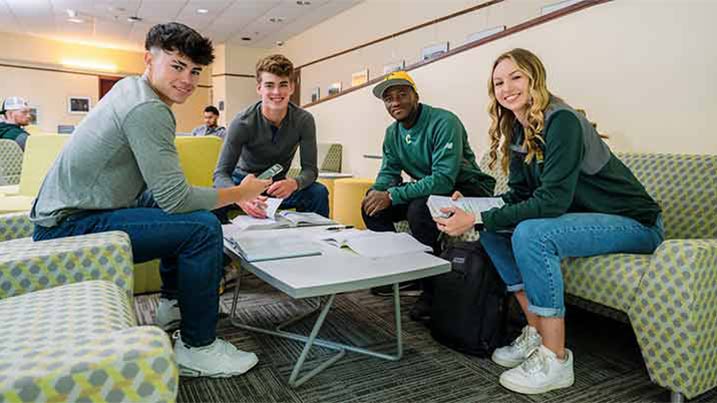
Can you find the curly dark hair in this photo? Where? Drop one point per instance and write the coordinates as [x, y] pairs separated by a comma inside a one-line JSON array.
[[174, 36]]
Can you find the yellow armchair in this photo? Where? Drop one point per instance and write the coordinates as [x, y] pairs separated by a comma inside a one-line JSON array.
[[198, 157]]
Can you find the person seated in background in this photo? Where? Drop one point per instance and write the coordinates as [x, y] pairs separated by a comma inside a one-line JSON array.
[[269, 132], [431, 145], [569, 197], [122, 152], [210, 126], [16, 115]]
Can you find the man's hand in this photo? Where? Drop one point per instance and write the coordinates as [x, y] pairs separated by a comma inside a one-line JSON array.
[[283, 188], [458, 223], [456, 195], [255, 208], [375, 201], [251, 187]]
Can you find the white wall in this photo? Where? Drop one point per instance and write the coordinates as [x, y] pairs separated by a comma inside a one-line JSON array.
[[644, 71], [393, 16], [236, 92]]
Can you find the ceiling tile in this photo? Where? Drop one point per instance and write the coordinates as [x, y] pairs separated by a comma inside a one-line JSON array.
[[161, 10], [226, 20]]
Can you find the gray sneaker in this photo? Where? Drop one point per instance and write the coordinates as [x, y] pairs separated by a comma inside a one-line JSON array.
[[519, 350]]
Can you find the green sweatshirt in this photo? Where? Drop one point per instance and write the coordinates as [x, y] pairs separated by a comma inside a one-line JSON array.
[[11, 131], [578, 173], [434, 152]]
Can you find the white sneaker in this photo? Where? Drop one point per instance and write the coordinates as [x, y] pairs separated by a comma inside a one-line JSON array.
[[168, 316], [519, 350], [217, 360], [540, 373]]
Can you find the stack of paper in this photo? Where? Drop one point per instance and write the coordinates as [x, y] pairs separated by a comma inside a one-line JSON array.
[[473, 205]]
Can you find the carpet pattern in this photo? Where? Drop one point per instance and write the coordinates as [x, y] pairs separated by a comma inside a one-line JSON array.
[[608, 364]]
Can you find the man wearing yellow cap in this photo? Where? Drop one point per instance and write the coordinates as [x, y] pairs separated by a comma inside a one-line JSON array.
[[431, 146]]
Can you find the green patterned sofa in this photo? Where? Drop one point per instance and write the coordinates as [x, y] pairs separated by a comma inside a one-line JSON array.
[[69, 332], [669, 297]]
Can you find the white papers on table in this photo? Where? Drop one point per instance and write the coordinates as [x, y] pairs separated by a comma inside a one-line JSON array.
[[299, 219], [473, 205], [375, 244], [255, 247]]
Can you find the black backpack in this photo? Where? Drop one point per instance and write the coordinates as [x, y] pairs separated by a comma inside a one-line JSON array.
[[470, 304]]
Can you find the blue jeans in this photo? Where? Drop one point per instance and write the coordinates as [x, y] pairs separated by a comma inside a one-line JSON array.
[[315, 198], [529, 258], [190, 249]]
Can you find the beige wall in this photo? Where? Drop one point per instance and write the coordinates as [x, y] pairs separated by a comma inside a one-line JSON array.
[[365, 22], [406, 47], [236, 92], [643, 73], [49, 90]]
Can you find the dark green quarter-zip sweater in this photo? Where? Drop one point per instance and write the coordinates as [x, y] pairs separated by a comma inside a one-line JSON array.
[[435, 152], [578, 173]]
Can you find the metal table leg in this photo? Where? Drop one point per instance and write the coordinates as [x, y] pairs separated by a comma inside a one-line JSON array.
[[322, 309]]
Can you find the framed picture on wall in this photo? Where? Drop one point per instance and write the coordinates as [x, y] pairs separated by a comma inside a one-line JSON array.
[[429, 52], [334, 88], [315, 94], [359, 77], [78, 105], [394, 66], [33, 115]]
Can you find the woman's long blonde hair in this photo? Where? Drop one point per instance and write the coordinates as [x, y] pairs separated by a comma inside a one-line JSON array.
[[502, 119]]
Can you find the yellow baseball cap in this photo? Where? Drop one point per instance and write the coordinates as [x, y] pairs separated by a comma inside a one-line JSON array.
[[396, 78]]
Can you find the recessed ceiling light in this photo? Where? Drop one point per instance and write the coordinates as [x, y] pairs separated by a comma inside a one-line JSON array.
[[245, 38], [303, 2], [76, 20], [276, 20], [202, 11], [134, 18]]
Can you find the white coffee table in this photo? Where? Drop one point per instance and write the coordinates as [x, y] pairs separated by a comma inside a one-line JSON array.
[[334, 271]]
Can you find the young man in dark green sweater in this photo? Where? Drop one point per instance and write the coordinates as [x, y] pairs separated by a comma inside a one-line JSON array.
[[431, 146]]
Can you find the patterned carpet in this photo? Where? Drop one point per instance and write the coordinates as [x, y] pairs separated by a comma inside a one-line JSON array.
[[608, 365]]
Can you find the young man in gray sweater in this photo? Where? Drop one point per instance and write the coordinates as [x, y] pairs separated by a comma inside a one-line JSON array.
[[124, 151], [269, 132]]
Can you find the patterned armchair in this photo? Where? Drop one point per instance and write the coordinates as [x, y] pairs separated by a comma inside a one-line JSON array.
[[69, 332], [328, 155], [10, 162], [669, 297]]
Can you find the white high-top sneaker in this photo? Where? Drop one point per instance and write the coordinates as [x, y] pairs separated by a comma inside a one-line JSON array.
[[217, 360], [168, 316], [519, 350], [540, 373]]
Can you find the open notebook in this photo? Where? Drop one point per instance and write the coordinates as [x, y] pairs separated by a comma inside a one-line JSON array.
[[279, 219], [252, 246], [375, 244]]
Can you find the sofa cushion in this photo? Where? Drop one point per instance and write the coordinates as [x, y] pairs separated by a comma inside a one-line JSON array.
[[78, 342], [72, 313], [27, 266], [606, 279], [685, 186]]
